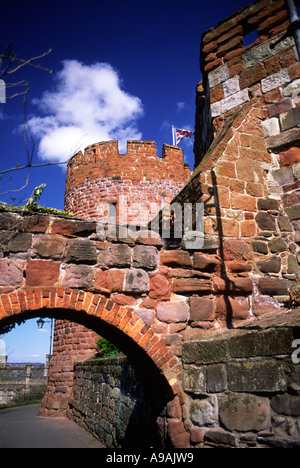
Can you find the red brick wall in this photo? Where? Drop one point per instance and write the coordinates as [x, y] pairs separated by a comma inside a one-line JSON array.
[[233, 73], [101, 175]]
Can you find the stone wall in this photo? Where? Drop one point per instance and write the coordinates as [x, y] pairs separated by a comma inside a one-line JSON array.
[[235, 71], [112, 402], [243, 390]]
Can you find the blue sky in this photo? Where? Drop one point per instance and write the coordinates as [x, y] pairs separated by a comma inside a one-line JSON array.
[[121, 70]]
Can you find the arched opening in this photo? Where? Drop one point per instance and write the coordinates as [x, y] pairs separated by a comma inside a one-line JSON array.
[[146, 354]]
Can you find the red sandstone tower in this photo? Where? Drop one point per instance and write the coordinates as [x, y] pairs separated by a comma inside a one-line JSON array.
[[96, 179], [101, 175]]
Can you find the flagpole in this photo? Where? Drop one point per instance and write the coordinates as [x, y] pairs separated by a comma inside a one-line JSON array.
[[173, 135]]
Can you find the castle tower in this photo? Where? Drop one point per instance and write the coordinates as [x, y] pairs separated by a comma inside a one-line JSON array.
[[96, 179], [101, 175]]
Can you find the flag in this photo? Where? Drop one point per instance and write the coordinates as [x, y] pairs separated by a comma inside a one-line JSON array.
[[180, 134]]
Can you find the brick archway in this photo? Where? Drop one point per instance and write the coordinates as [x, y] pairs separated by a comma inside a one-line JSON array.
[[92, 307]]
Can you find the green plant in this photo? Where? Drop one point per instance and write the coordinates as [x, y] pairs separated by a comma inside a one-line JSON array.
[[105, 348], [35, 197], [32, 205]]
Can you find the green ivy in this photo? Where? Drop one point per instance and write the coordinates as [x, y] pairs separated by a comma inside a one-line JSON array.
[[32, 205], [105, 348]]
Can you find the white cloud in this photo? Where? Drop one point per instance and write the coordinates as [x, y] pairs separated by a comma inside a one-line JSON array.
[[180, 106], [87, 106]]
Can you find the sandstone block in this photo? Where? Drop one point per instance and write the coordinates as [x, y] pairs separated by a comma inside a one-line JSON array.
[[71, 228], [257, 376], [81, 251], [42, 273], [228, 308], [241, 412], [235, 249], [116, 256], [265, 221], [177, 434], [186, 285], [204, 412], [202, 309], [19, 243], [272, 265], [288, 405], [109, 281], [233, 286], [274, 286], [11, 273], [208, 263], [219, 436], [49, 246], [145, 257], [137, 281], [172, 312], [290, 119], [78, 276], [280, 78], [290, 156], [159, 287], [175, 258]]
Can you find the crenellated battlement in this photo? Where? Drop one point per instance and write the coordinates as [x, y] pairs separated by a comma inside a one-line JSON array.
[[101, 174]]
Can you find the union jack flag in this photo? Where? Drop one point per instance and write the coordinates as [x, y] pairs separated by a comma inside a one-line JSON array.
[[180, 134]]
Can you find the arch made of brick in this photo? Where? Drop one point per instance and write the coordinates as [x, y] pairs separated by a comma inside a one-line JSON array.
[[100, 314]]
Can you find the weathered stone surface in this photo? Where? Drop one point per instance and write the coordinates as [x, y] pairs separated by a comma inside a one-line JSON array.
[[11, 273], [288, 405], [42, 273], [280, 78], [202, 309], [81, 251], [205, 351], [145, 315], [260, 247], [233, 286], [256, 376], [159, 287], [272, 265], [175, 258], [235, 249], [292, 265], [283, 139], [274, 286], [290, 156], [172, 312], [277, 245], [204, 412], [145, 257], [109, 281], [205, 262], [9, 221], [216, 378], [194, 380], [137, 281], [78, 276], [177, 434], [185, 285], [19, 243], [221, 437], [263, 343], [290, 119], [264, 304], [228, 308], [293, 212], [72, 228], [49, 246], [116, 256], [241, 412], [265, 221], [284, 224]]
